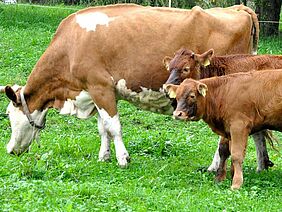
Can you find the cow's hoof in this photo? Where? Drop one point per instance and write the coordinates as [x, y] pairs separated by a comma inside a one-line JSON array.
[[105, 158], [235, 187], [123, 161], [265, 166], [220, 178], [269, 164], [213, 168]]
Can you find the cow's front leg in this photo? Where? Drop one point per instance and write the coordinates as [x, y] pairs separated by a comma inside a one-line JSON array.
[[105, 151], [238, 143], [261, 150], [105, 101], [224, 153]]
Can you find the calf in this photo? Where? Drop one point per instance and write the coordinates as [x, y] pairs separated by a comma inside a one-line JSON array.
[[187, 64], [232, 116]]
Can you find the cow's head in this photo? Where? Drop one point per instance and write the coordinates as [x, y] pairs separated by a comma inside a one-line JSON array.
[[189, 95], [186, 64], [25, 126]]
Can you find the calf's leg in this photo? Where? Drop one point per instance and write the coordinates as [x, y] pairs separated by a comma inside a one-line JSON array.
[[238, 143], [216, 159], [224, 153]]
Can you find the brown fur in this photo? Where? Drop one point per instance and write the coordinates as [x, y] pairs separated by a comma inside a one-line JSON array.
[[235, 106], [130, 48]]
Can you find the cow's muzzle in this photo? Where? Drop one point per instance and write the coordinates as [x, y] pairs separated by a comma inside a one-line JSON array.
[[181, 115]]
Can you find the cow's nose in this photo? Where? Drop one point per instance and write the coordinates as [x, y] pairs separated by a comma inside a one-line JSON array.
[[179, 114]]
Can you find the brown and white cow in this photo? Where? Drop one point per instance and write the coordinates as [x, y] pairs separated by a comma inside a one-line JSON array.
[[234, 106], [187, 64], [102, 54]]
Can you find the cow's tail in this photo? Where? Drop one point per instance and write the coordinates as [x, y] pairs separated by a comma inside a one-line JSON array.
[[255, 27]]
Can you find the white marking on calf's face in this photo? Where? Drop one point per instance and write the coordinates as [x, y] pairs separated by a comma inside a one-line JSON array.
[[89, 21], [22, 132]]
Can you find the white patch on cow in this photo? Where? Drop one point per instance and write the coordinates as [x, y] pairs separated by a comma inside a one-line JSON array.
[[89, 21], [111, 125], [22, 132], [147, 99], [83, 106], [216, 160]]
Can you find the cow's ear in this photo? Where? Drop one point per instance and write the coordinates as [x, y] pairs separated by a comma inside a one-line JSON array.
[[166, 62], [205, 58], [11, 94], [171, 90], [202, 89]]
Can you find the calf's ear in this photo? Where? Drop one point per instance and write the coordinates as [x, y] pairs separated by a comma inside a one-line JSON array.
[[171, 90], [166, 62], [205, 58], [202, 89]]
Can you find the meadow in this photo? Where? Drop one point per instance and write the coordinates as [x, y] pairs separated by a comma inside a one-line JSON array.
[[168, 157]]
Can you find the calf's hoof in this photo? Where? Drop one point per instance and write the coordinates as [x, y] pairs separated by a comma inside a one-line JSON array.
[[235, 187]]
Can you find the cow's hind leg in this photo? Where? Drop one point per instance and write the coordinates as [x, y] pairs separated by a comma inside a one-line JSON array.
[[261, 149], [105, 151], [216, 159]]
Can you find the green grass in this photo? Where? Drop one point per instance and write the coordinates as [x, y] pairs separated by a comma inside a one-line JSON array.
[[166, 155]]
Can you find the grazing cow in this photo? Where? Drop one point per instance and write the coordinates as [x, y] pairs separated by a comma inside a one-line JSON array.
[[102, 54], [187, 64], [234, 106]]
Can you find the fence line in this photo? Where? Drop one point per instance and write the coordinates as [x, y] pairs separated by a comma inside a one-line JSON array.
[[76, 9]]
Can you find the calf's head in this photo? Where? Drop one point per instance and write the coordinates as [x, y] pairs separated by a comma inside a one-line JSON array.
[[189, 96], [186, 64], [25, 126]]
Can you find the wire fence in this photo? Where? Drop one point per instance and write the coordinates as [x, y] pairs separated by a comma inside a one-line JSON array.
[[76, 9]]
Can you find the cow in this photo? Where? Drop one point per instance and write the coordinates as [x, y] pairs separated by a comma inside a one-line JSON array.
[[187, 64], [102, 54], [234, 106]]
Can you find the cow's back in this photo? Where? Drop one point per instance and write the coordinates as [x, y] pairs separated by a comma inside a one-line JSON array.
[[256, 94], [129, 41]]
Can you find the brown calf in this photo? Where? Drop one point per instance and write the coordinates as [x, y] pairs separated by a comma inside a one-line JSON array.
[[217, 101], [187, 64]]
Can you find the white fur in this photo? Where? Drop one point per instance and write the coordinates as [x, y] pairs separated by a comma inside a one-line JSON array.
[[89, 21], [110, 127], [216, 160], [83, 106], [22, 132]]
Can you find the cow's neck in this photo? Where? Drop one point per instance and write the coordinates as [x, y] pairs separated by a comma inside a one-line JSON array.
[[48, 83], [211, 111], [215, 68]]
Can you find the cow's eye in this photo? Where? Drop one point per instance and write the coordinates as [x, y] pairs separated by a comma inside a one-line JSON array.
[[192, 95], [186, 69]]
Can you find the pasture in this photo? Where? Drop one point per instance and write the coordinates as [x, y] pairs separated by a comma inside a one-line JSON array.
[[168, 157]]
